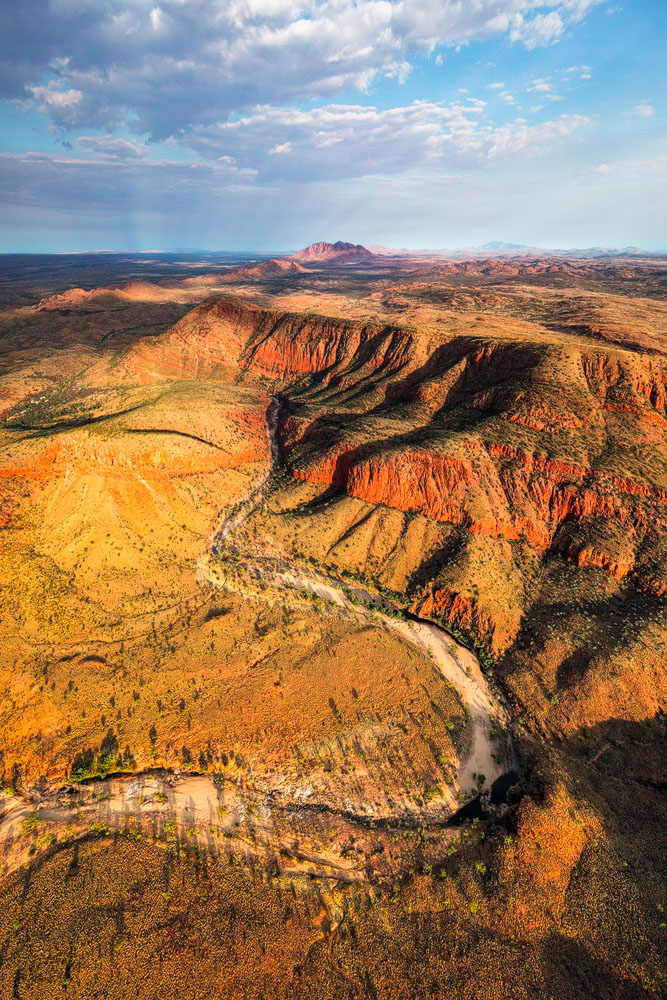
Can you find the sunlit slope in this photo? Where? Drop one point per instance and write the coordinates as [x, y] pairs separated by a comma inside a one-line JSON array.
[[543, 444], [109, 497], [113, 482], [498, 460], [465, 457], [118, 491]]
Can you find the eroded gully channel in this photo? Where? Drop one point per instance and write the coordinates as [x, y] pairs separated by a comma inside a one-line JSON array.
[[210, 810]]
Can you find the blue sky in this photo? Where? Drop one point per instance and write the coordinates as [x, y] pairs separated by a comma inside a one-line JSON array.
[[268, 124]]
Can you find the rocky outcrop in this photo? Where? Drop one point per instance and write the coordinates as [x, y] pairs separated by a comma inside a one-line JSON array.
[[276, 267], [77, 298], [336, 253], [457, 429], [228, 332], [459, 609]]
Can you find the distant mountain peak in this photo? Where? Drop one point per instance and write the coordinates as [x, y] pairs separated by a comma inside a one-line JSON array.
[[336, 253]]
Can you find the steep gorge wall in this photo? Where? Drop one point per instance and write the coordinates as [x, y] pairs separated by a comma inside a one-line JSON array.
[[415, 459], [228, 333], [517, 497]]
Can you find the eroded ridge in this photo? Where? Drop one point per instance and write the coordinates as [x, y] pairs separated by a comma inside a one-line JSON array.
[[265, 814], [459, 667]]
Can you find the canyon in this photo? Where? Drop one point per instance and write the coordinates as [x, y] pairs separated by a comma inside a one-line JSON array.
[[332, 594]]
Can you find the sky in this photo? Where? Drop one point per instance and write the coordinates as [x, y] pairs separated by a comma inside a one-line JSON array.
[[265, 125]]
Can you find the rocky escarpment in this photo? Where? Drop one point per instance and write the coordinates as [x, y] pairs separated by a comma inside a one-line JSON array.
[[527, 442], [591, 517], [462, 463], [227, 333]]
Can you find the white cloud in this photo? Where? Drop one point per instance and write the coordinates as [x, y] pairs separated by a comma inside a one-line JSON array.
[[62, 105], [544, 87], [519, 138], [540, 85], [165, 68], [107, 145], [495, 86], [345, 141], [539, 30], [644, 110]]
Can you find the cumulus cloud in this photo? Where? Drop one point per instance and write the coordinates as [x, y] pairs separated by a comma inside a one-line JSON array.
[[338, 141], [644, 110], [538, 30], [163, 68], [107, 145], [540, 85], [62, 105]]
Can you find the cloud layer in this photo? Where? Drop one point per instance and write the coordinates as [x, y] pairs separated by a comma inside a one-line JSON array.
[[265, 124], [164, 67], [339, 141]]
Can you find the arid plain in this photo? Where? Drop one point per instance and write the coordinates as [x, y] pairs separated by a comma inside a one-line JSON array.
[[333, 631]]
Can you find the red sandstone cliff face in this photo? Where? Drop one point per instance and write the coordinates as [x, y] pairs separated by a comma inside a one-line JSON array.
[[419, 461], [494, 490], [229, 333], [629, 384], [540, 388], [302, 345]]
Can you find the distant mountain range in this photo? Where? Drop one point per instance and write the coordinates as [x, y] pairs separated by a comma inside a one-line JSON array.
[[500, 248], [341, 253]]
